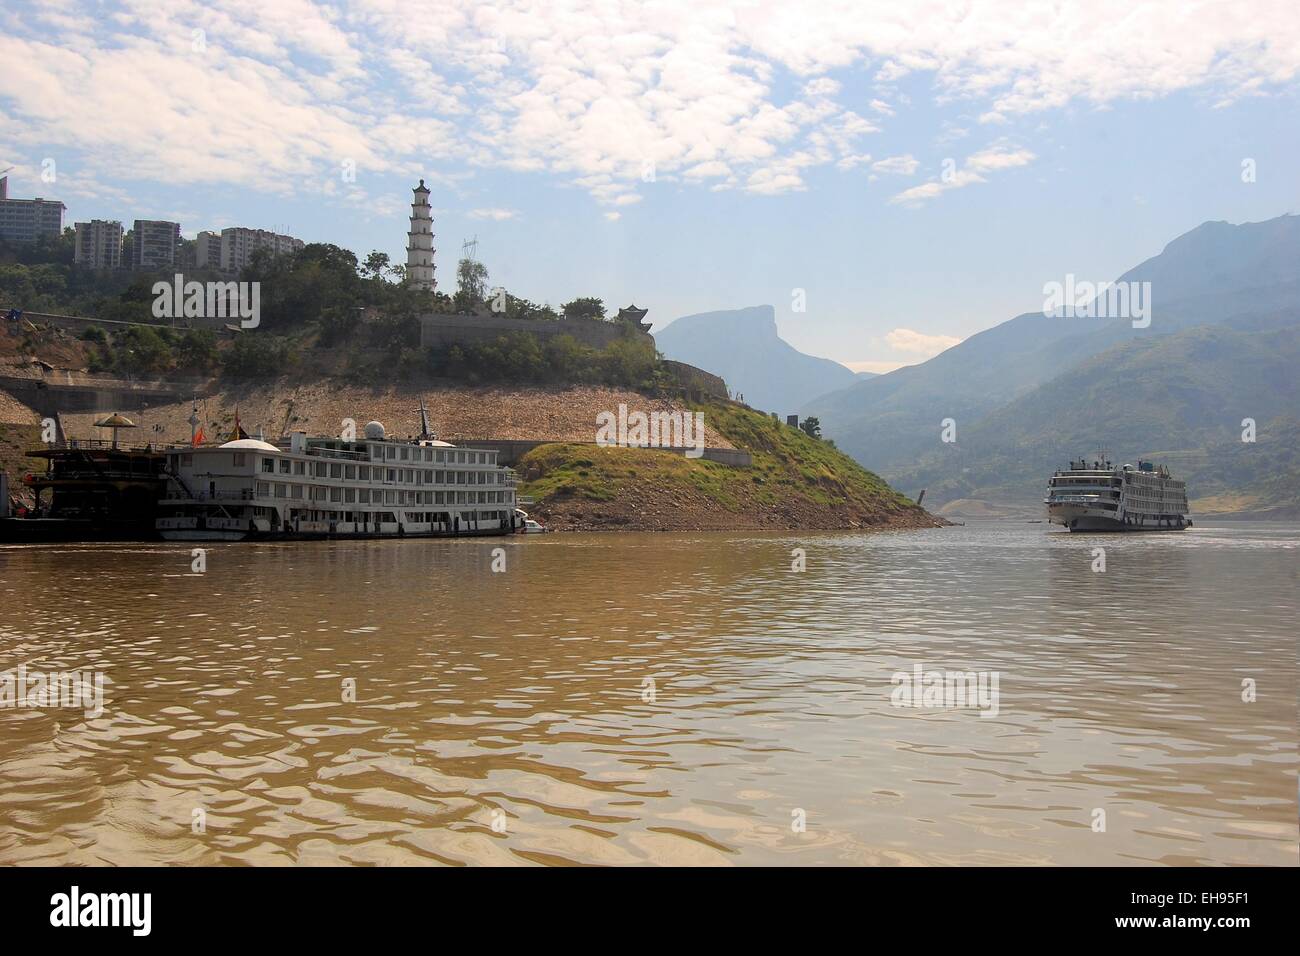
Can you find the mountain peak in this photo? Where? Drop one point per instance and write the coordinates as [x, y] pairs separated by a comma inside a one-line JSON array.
[[744, 347]]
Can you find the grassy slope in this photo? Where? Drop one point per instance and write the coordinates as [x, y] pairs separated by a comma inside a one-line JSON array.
[[795, 482]]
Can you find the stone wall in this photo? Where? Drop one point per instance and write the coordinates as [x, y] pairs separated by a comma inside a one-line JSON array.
[[439, 331], [695, 381], [510, 451]]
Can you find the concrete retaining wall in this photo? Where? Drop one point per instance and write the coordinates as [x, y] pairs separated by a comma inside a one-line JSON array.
[[70, 392]]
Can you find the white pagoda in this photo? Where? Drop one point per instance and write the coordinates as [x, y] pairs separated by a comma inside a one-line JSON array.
[[419, 242]]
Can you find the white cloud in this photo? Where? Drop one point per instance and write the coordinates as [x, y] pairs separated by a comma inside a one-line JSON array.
[[496, 215], [998, 158], [987, 160], [903, 165], [919, 343], [281, 93]]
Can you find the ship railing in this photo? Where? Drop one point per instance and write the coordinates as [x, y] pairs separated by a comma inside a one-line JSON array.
[[218, 496], [317, 451], [99, 444]]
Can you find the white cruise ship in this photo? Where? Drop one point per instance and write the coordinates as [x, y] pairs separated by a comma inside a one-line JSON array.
[[328, 488], [1106, 498]]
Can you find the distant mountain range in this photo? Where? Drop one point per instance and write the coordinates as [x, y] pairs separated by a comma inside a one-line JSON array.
[[742, 345], [1031, 393]]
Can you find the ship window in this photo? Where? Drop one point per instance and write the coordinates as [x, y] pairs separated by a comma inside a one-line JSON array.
[[263, 488], [336, 471], [350, 472], [350, 495], [392, 474], [268, 464], [239, 459], [280, 490], [336, 494], [439, 457], [285, 466], [363, 496], [298, 468], [296, 491], [404, 454]]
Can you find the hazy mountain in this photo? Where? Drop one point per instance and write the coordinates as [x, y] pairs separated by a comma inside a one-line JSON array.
[[742, 345], [1179, 399], [1208, 275]]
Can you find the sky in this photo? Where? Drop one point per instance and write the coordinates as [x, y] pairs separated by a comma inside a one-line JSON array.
[[893, 177]]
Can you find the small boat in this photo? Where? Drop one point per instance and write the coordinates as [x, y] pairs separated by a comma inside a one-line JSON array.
[[526, 525]]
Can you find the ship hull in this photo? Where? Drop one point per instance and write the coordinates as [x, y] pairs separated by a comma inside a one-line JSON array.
[[1087, 519]]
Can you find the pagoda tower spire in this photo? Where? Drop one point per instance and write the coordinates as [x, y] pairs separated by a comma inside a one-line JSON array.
[[419, 242]]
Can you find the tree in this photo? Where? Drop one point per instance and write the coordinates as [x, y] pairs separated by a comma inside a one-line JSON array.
[[141, 350], [471, 282], [584, 308], [256, 356], [197, 351], [811, 427], [376, 264]]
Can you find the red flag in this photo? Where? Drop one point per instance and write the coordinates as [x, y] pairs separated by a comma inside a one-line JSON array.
[[198, 437]]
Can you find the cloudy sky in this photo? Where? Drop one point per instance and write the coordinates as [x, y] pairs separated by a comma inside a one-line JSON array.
[[914, 172]]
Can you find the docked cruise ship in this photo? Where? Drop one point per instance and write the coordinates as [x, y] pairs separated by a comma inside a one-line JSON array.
[[329, 488], [1104, 497]]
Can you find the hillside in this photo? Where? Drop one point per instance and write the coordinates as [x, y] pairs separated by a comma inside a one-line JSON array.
[[455, 412], [742, 345], [796, 482], [1209, 275], [1178, 399]]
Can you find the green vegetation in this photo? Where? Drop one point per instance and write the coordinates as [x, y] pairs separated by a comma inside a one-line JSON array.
[[520, 358], [1177, 399], [792, 473], [320, 296], [584, 308]]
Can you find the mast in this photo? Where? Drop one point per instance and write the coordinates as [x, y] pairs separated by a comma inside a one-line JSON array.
[[426, 433]]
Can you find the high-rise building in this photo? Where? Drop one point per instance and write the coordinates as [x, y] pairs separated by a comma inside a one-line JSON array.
[[99, 244], [239, 244], [154, 243], [207, 251], [419, 245], [26, 220]]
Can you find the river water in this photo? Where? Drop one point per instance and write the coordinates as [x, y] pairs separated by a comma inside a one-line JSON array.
[[664, 699]]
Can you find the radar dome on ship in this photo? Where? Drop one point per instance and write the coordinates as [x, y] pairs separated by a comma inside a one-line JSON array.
[[375, 431]]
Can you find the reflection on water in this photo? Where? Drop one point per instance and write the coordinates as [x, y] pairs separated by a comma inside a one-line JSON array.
[[658, 699]]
